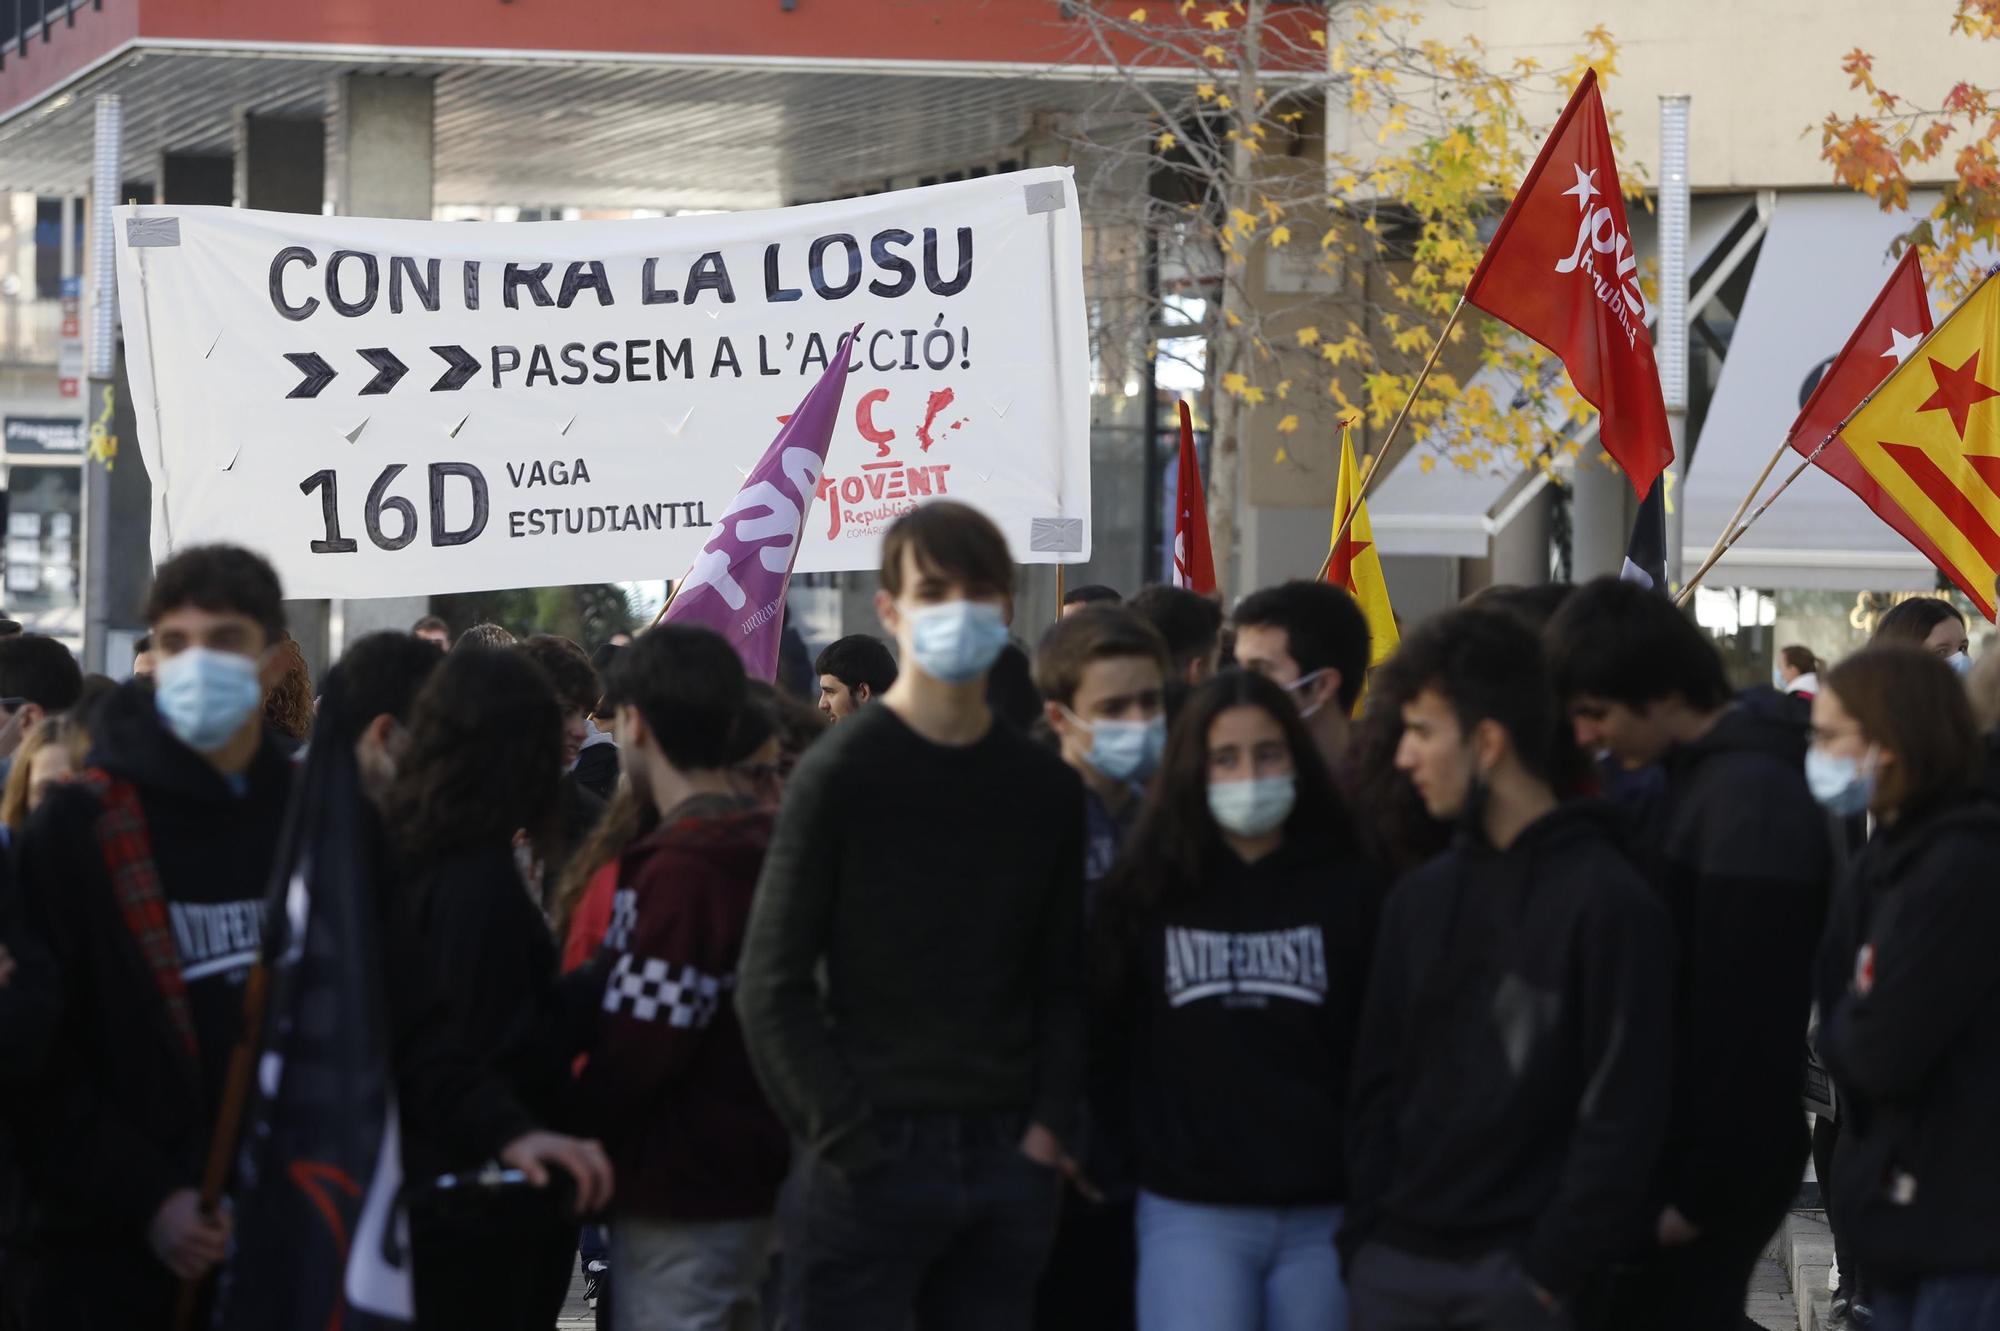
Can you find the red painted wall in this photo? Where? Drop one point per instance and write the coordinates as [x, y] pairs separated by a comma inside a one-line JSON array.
[[49, 64], [1009, 30], [1028, 32]]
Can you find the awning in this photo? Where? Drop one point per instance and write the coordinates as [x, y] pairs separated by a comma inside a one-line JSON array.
[[1456, 512], [1824, 260]]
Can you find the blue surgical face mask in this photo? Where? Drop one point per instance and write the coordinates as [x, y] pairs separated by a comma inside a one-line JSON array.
[[1844, 786], [1778, 679], [1124, 750], [1254, 807], [1960, 661], [957, 642], [205, 696]]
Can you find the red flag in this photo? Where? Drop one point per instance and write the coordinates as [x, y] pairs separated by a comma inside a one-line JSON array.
[[1194, 565], [1561, 268], [1891, 329]]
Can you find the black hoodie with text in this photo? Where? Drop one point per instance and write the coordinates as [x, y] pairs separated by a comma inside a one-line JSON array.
[[122, 1115], [1910, 1029], [1742, 855], [1237, 1016], [1510, 1088]]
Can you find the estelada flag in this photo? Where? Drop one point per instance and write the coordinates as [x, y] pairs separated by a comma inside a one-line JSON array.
[[1194, 565], [1930, 438], [1562, 269], [737, 584], [1886, 335], [1356, 565]]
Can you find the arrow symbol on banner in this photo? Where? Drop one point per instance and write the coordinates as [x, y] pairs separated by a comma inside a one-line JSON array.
[[388, 370], [318, 374], [675, 427], [463, 365]]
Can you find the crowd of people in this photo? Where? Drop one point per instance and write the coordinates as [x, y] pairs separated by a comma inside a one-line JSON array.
[[1178, 974]]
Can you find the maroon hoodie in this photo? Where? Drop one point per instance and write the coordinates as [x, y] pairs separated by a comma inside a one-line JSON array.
[[668, 1086]]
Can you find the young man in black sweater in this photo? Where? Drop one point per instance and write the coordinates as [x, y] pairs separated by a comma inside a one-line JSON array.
[[912, 985], [1741, 856], [1510, 1086]]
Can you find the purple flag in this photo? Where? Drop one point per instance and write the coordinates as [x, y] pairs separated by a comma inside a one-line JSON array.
[[737, 583]]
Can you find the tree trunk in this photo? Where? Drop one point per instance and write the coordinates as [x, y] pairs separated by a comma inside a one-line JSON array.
[[1228, 345]]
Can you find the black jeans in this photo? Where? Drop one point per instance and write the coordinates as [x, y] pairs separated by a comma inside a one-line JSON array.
[[949, 1235]]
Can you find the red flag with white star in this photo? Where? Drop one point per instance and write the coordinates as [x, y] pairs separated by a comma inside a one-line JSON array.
[[1884, 338], [1562, 269]]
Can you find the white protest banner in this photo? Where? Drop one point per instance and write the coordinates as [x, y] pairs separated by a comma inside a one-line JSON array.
[[390, 408]]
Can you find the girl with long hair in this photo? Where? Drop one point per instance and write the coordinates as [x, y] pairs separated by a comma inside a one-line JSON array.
[[484, 760], [1909, 997], [1232, 945]]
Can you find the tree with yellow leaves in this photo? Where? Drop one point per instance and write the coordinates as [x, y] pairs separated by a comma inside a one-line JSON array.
[[1877, 151], [1343, 147]]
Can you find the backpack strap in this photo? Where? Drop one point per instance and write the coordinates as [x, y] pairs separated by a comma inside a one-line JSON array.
[[127, 848]]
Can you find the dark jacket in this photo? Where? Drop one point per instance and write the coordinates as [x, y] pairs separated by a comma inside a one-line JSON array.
[[596, 769], [1237, 1012], [1741, 855], [493, 962], [122, 1117], [668, 1086], [28, 1012], [1511, 1086], [1910, 1029]]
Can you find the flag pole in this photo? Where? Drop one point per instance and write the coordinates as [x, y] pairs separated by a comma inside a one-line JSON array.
[[1395, 429], [228, 1124], [1722, 537], [1061, 569], [1729, 538]]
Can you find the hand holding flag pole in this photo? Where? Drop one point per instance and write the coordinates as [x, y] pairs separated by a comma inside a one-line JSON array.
[[1730, 537]]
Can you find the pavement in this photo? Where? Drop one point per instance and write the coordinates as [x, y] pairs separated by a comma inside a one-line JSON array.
[[1787, 1293], [1806, 1248]]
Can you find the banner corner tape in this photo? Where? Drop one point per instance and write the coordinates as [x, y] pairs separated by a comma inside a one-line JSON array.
[[1056, 535], [152, 232], [1045, 196]]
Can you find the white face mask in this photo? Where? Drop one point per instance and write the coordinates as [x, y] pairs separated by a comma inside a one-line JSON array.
[[1960, 662], [1252, 808]]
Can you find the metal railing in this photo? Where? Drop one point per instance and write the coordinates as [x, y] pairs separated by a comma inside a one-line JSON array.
[[23, 21]]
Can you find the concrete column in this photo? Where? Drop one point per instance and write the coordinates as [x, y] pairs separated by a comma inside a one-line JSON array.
[[280, 167], [1279, 544], [281, 163], [1601, 512], [383, 134], [383, 167], [1520, 550], [200, 178]]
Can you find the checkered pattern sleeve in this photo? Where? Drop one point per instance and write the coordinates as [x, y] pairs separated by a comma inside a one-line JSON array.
[[673, 972]]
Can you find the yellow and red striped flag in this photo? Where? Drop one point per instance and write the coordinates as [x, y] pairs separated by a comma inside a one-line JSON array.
[[1356, 565], [1931, 439]]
